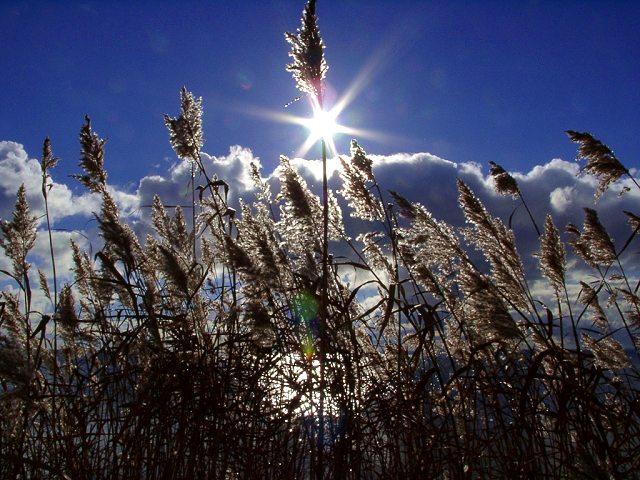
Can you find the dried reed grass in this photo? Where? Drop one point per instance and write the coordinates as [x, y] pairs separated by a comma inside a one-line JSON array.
[[199, 353]]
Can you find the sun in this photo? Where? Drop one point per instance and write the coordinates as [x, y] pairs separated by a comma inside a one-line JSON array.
[[323, 125]]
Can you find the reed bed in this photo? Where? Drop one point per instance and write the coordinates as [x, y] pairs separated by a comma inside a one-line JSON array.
[[229, 344]]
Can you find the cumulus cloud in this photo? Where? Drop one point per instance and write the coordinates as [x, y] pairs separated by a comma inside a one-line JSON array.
[[562, 198], [71, 214], [555, 187], [552, 187], [174, 188], [16, 168]]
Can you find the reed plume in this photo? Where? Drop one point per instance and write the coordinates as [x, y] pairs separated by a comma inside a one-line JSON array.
[[309, 66], [601, 161]]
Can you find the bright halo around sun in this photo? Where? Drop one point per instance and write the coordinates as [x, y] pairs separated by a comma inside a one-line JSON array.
[[323, 125]]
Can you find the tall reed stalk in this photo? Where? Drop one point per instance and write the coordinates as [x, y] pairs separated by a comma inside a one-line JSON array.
[[309, 70]]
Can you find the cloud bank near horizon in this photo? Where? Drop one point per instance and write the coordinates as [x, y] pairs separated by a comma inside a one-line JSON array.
[[553, 187]]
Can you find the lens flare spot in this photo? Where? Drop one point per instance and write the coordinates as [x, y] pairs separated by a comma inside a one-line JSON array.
[[308, 347], [244, 81], [306, 307]]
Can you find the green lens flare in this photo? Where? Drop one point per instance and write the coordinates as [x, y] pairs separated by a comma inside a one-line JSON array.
[[306, 306]]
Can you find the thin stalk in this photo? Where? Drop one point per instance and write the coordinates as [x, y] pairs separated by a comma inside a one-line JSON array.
[[193, 208], [51, 251], [324, 303], [535, 225], [45, 196]]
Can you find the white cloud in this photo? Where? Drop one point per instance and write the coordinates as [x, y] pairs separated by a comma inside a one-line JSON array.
[[174, 188], [71, 215], [16, 168], [40, 259], [41, 253], [561, 198], [551, 187], [554, 187]]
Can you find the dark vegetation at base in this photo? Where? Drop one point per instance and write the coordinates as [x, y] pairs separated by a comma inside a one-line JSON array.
[[229, 347]]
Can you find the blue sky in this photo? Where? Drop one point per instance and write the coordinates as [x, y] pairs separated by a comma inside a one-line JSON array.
[[467, 81]]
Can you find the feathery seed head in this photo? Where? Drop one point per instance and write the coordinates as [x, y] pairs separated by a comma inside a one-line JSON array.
[[13, 364], [488, 315], [632, 310], [119, 238], [48, 160], [600, 242], [237, 257], [504, 183], [634, 221], [474, 211], [490, 236], [375, 256], [593, 244], [294, 188], [601, 161], [589, 297], [66, 312], [19, 234], [92, 159], [607, 352], [185, 131], [262, 333], [355, 190], [552, 255], [174, 269], [407, 210], [360, 160], [264, 191], [308, 66]]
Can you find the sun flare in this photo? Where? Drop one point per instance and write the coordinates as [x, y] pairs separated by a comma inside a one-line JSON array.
[[323, 125]]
